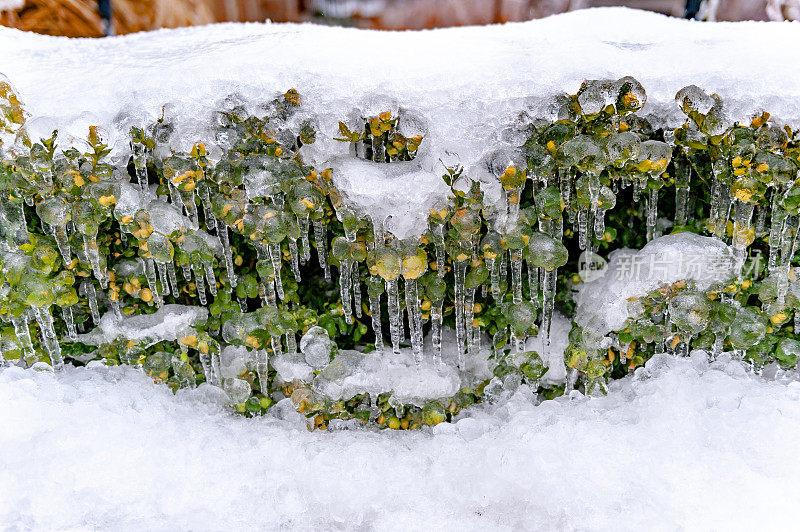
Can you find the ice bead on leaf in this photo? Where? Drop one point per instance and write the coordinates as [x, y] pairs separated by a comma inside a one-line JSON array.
[[238, 390], [693, 99], [690, 312], [595, 95], [317, 347], [630, 94], [748, 328], [546, 252], [622, 147], [654, 156], [585, 153]]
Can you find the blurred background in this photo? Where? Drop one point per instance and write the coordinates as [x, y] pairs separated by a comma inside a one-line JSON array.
[[97, 18]]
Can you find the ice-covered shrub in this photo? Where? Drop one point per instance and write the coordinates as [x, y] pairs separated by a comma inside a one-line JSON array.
[[197, 264]]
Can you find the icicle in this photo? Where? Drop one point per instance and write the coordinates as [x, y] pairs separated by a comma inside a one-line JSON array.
[[291, 342], [91, 297], [162, 276], [599, 222], [23, 335], [394, 314], [583, 227], [295, 259], [565, 185], [216, 371], [321, 240], [262, 369], [438, 241], [210, 278], [777, 216], [721, 205], [533, 283], [150, 274], [140, 164], [199, 284], [652, 213], [191, 207], [277, 348], [789, 246], [548, 299], [173, 278], [93, 253], [516, 276], [175, 196], [208, 210], [460, 280], [345, 272], [356, 280], [414, 318], [187, 272], [116, 307], [494, 274], [470, 317], [377, 328], [572, 378], [208, 371], [761, 220], [227, 253], [503, 267], [303, 222], [49, 340], [275, 256], [59, 232], [69, 321], [683, 178], [436, 330], [513, 197]]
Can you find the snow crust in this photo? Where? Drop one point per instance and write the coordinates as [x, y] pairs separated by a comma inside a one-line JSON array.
[[603, 302], [680, 445]]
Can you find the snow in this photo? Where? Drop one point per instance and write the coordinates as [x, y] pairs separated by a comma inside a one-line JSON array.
[[11, 5], [680, 445], [400, 195], [603, 302], [465, 86]]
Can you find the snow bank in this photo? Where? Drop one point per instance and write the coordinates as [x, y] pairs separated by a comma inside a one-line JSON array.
[[467, 84], [679, 445]]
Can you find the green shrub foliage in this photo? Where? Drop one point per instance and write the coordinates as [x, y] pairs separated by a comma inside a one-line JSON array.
[[86, 238]]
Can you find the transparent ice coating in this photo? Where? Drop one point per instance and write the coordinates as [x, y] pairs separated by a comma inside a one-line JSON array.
[[168, 323], [465, 85]]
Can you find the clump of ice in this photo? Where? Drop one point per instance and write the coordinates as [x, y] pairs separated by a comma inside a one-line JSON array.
[[400, 194], [352, 373], [603, 302], [166, 324]]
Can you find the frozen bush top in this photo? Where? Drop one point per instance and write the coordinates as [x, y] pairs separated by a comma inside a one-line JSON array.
[[454, 77]]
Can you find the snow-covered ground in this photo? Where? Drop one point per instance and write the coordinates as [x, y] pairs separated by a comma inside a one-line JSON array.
[[679, 446]]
